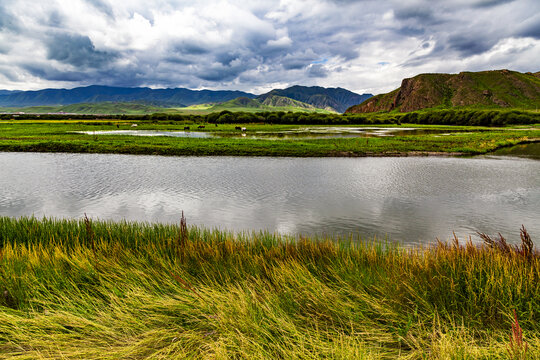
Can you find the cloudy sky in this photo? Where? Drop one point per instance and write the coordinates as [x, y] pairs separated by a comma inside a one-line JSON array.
[[363, 45]]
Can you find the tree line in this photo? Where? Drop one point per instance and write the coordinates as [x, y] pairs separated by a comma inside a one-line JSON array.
[[434, 117]]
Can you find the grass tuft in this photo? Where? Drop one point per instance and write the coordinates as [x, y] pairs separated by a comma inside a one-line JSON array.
[[130, 291]]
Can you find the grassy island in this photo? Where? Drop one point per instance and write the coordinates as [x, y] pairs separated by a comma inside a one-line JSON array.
[[88, 289]]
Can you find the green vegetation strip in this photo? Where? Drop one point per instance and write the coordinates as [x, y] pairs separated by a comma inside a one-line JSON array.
[[297, 116], [76, 289], [58, 136]]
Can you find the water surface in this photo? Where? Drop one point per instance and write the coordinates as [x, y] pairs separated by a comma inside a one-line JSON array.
[[413, 199], [301, 133], [190, 134], [531, 150]]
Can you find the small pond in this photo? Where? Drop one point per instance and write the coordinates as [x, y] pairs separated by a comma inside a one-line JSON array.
[[189, 134], [302, 133]]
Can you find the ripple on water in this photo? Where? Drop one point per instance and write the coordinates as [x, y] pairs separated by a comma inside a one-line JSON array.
[[409, 199]]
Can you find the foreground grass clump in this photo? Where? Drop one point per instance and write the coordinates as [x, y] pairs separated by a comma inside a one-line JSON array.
[[101, 290]]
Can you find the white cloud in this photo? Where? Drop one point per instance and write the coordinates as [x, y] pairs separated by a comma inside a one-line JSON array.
[[367, 45]]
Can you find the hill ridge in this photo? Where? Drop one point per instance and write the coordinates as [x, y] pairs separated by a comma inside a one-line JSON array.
[[494, 88], [102, 93], [333, 99]]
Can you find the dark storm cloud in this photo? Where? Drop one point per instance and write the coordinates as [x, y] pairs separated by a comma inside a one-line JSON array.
[[293, 64], [490, 3], [468, 45], [418, 13], [176, 59], [50, 73], [226, 58], [77, 50], [414, 31], [180, 43], [317, 71], [219, 73], [531, 28], [190, 48]]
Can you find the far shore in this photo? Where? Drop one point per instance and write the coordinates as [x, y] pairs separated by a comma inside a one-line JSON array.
[[261, 139]]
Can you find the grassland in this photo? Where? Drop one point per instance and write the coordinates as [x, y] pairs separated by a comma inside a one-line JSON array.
[[129, 108], [62, 136], [134, 108], [75, 289]]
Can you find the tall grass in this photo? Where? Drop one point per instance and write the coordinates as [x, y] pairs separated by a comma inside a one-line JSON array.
[[94, 289]]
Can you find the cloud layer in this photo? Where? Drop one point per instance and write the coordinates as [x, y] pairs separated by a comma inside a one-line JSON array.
[[362, 45]]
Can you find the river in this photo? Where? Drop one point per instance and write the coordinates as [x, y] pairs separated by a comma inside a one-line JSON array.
[[408, 199]]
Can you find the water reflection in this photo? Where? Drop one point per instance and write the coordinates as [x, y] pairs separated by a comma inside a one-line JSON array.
[[407, 199], [185, 134], [531, 150], [302, 133]]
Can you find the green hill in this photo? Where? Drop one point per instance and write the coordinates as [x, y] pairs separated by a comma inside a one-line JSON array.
[[271, 103], [245, 104], [281, 101], [102, 108], [332, 99], [484, 89]]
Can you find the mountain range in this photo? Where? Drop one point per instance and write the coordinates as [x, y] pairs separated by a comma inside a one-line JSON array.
[[332, 99], [269, 103], [483, 89], [94, 94]]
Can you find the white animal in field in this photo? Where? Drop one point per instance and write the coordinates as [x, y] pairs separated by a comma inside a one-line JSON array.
[[134, 125]]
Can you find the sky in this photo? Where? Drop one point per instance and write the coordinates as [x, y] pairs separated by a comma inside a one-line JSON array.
[[365, 46]]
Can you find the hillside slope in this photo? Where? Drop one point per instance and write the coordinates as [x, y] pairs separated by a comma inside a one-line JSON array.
[[333, 99], [96, 94], [491, 89], [101, 108], [270, 103], [281, 101]]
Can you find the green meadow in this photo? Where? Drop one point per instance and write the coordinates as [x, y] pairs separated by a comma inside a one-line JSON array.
[[84, 289], [64, 136]]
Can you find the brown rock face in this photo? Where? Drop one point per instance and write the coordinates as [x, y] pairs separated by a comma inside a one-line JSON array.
[[500, 88]]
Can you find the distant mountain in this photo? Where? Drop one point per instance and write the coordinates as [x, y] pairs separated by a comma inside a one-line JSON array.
[[492, 89], [7, 92], [273, 103], [334, 99], [270, 103], [130, 108], [94, 94]]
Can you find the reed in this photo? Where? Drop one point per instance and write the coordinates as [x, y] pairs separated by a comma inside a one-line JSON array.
[[130, 291]]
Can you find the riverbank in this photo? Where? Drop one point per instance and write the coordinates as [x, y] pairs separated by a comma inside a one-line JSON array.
[[93, 290], [258, 140]]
